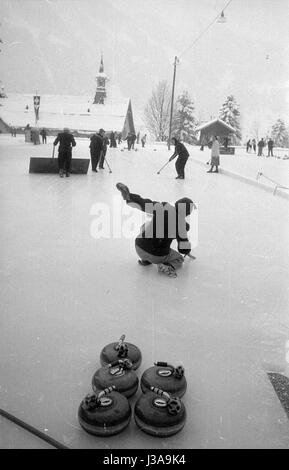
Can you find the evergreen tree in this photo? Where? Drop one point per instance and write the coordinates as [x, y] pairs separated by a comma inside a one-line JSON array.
[[185, 122], [230, 114], [280, 134]]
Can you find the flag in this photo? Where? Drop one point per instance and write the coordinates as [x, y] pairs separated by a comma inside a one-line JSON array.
[[36, 100]]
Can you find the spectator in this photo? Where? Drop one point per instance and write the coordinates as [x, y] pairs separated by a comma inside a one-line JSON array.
[[261, 145], [143, 140], [270, 147], [43, 135], [215, 155]]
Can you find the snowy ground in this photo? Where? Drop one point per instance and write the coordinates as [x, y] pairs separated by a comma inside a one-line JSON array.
[[64, 295]]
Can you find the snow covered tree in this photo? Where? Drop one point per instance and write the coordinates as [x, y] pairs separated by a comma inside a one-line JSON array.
[[157, 112], [230, 114], [280, 134], [185, 122]]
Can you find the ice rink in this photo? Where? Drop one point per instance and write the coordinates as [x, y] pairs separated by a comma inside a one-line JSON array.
[[65, 295]]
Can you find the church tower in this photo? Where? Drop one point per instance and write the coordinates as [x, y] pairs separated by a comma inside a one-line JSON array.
[[101, 78]]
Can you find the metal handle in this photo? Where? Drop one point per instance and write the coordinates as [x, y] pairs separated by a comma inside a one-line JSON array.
[[160, 392]]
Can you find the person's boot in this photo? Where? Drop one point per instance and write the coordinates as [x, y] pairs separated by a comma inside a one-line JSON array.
[[210, 170], [143, 262], [61, 173], [216, 170], [124, 191]]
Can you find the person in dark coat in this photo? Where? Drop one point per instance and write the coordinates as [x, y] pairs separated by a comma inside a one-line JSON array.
[[270, 147], [133, 139], [168, 223], [119, 138], [143, 140], [248, 146], [183, 155], [103, 153], [254, 145], [66, 142], [43, 135], [112, 140], [261, 145], [129, 140], [96, 148]]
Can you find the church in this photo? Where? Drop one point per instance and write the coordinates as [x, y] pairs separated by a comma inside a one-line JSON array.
[[81, 114]]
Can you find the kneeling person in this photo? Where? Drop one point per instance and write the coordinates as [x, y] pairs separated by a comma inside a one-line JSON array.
[[168, 223]]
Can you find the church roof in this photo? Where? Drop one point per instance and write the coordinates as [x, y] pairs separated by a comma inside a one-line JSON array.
[[58, 111]]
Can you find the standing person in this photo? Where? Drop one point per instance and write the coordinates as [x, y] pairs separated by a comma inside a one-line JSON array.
[[133, 139], [112, 139], [215, 155], [254, 145], [66, 142], [103, 153], [261, 145], [270, 147], [143, 140], [129, 140], [96, 148], [248, 146], [137, 137], [183, 155], [119, 138], [43, 135], [167, 224]]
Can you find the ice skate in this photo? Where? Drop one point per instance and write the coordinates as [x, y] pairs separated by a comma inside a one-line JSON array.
[[124, 190], [167, 269]]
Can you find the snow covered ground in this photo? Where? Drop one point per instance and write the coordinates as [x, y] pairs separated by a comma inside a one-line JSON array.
[[64, 295]]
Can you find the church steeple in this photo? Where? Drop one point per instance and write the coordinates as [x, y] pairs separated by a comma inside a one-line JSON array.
[[101, 78]]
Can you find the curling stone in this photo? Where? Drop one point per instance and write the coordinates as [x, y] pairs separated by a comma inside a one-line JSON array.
[[105, 413], [159, 414], [120, 374], [166, 377], [121, 350]]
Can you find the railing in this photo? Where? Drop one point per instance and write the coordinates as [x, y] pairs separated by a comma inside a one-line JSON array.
[[276, 185]]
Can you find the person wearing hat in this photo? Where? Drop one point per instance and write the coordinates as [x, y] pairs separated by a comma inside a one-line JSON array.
[[66, 142], [168, 222], [96, 148], [183, 155]]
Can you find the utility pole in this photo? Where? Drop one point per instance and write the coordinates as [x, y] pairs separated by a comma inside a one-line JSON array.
[[172, 102]]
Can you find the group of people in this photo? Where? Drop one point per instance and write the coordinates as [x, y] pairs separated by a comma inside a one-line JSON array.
[[150, 246], [13, 131], [251, 145], [98, 148]]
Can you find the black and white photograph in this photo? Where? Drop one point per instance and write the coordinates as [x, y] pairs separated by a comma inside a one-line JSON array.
[[144, 205]]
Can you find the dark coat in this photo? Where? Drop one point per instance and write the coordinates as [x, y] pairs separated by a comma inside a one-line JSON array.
[[157, 235], [66, 142], [96, 143], [181, 151]]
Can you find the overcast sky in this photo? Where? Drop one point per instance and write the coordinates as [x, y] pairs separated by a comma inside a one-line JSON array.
[[54, 46]]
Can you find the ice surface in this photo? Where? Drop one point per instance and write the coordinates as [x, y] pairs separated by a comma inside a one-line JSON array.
[[64, 295]]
